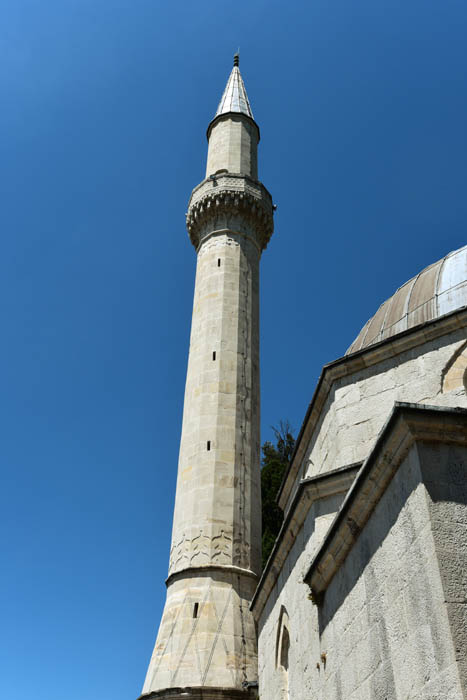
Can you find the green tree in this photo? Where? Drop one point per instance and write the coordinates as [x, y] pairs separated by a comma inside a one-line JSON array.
[[274, 463]]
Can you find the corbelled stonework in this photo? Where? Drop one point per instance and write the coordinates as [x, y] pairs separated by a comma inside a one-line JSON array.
[[232, 202]]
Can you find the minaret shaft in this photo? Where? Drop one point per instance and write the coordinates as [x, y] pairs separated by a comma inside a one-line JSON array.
[[207, 635], [233, 146], [216, 518]]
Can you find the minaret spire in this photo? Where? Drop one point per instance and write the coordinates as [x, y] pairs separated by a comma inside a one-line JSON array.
[[206, 645], [234, 98], [233, 134]]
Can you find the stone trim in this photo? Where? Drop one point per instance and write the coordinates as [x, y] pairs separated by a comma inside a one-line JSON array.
[[229, 232], [407, 424], [310, 490], [202, 693], [230, 194], [455, 373], [232, 181], [349, 364], [210, 568]]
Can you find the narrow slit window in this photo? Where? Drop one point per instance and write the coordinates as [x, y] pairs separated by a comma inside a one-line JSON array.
[[218, 262], [209, 445], [214, 355], [195, 610]]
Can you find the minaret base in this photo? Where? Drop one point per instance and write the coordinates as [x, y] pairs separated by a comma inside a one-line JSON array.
[[207, 636], [202, 693]]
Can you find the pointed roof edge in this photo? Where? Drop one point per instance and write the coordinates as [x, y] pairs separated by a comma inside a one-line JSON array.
[[234, 99]]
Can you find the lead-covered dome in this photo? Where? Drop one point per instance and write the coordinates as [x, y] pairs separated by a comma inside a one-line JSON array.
[[437, 290]]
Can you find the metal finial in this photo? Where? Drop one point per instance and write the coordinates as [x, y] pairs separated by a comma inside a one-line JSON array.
[[236, 59]]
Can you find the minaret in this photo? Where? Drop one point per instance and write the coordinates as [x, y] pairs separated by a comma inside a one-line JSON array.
[[206, 645]]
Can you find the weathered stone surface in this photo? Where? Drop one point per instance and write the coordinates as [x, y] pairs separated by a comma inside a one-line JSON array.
[[216, 518], [418, 359], [233, 145], [357, 405], [212, 644], [206, 646], [391, 623], [296, 526]]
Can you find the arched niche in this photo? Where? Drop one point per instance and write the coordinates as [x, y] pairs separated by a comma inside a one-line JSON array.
[[282, 652], [455, 372]]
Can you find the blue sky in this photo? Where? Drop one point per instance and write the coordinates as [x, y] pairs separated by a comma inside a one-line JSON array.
[[362, 107]]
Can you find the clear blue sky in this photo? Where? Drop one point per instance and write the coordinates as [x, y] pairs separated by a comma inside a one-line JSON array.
[[363, 109]]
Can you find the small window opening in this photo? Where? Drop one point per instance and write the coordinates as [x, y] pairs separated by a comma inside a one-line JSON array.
[[209, 445], [195, 610], [284, 657], [214, 355], [218, 262]]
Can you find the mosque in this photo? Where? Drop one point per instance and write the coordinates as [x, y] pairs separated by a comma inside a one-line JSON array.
[[364, 596]]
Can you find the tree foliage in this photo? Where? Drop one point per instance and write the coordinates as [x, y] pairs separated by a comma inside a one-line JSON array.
[[274, 462]]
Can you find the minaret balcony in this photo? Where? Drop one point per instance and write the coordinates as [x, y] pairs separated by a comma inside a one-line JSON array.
[[224, 201]]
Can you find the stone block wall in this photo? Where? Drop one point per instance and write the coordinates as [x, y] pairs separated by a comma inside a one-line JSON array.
[[207, 636], [292, 595], [444, 471], [392, 623], [358, 404], [216, 515], [233, 146]]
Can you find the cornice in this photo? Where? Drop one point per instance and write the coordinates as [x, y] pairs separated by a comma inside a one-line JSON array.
[[350, 364], [209, 569], [310, 490], [203, 693], [230, 195], [407, 424]]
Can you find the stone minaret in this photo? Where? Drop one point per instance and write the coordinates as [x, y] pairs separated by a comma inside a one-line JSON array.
[[206, 645]]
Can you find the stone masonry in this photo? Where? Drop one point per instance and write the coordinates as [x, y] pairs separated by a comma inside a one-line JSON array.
[[364, 595], [207, 640], [372, 578]]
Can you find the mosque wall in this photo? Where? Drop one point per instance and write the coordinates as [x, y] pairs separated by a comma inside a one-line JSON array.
[[444, 474], [292, 595], [358, 405], [384, 629]]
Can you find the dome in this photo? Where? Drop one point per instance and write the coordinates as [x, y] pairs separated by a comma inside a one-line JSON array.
[[437, 290]]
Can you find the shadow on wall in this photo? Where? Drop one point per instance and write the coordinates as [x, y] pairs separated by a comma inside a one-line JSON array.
[[325, 507], [427, 489], [447, 489], [358, 565], [445, 481], [319, 509]]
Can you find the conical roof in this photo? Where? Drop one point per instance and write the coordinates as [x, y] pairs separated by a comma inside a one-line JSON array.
[[235, 98]]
